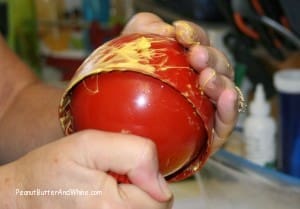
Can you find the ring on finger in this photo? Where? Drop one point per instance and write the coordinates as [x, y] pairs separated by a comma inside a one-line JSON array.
[[242, 105], [228, 66]]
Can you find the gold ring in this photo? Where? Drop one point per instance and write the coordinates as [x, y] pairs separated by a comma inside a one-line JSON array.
[[228, 66], [242, 105]]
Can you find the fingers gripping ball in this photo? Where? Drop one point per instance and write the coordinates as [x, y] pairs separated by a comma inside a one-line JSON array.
[[143, 85]]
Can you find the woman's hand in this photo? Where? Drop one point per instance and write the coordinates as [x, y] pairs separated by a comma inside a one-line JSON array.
[[215, 73], [80, 162]]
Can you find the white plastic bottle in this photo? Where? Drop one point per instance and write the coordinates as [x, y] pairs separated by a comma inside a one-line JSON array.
[[259, 131]]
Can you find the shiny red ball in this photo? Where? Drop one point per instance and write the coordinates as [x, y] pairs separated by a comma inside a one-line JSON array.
[[143, 84], [130, 102]]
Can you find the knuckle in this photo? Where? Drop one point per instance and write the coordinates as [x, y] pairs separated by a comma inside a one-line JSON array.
[[149, 152], [83, 137]]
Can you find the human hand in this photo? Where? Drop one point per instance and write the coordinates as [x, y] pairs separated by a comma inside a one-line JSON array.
[[81, 161], [215, 73]]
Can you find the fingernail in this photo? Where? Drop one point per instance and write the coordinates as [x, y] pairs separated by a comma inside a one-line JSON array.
[[201, 55], [169, 30], [164, 187], [209, 82], [186, 32]]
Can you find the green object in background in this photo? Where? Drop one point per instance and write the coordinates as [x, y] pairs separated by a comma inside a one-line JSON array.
[[240, 73], [22, 33]]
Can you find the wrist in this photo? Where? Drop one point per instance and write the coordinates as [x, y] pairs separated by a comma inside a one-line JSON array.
[[7, 187]]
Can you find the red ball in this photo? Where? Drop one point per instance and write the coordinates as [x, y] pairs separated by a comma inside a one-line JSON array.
[[143, 85], [130, 102]]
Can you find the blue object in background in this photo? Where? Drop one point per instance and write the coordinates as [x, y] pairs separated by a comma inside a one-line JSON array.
[[287, 82], [204, 10], [289, 159], [96, 10]]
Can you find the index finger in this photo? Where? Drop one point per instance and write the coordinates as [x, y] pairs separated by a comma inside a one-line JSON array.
[[188, 33], [123, 154]]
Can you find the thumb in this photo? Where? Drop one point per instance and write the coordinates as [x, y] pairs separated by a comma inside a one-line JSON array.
[[124, 154]]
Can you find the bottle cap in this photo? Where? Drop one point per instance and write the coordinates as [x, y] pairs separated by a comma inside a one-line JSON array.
[[288, 81], [259, 106]]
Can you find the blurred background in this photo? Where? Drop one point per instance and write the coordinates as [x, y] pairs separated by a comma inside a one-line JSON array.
[[250, 32], [260, 37]]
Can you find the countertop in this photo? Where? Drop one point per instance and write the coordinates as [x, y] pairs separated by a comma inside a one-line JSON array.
[[228, 182]]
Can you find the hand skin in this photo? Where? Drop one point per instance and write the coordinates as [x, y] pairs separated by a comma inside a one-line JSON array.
[[215, 72], [28, 119], [79, 162], [28, 108]]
